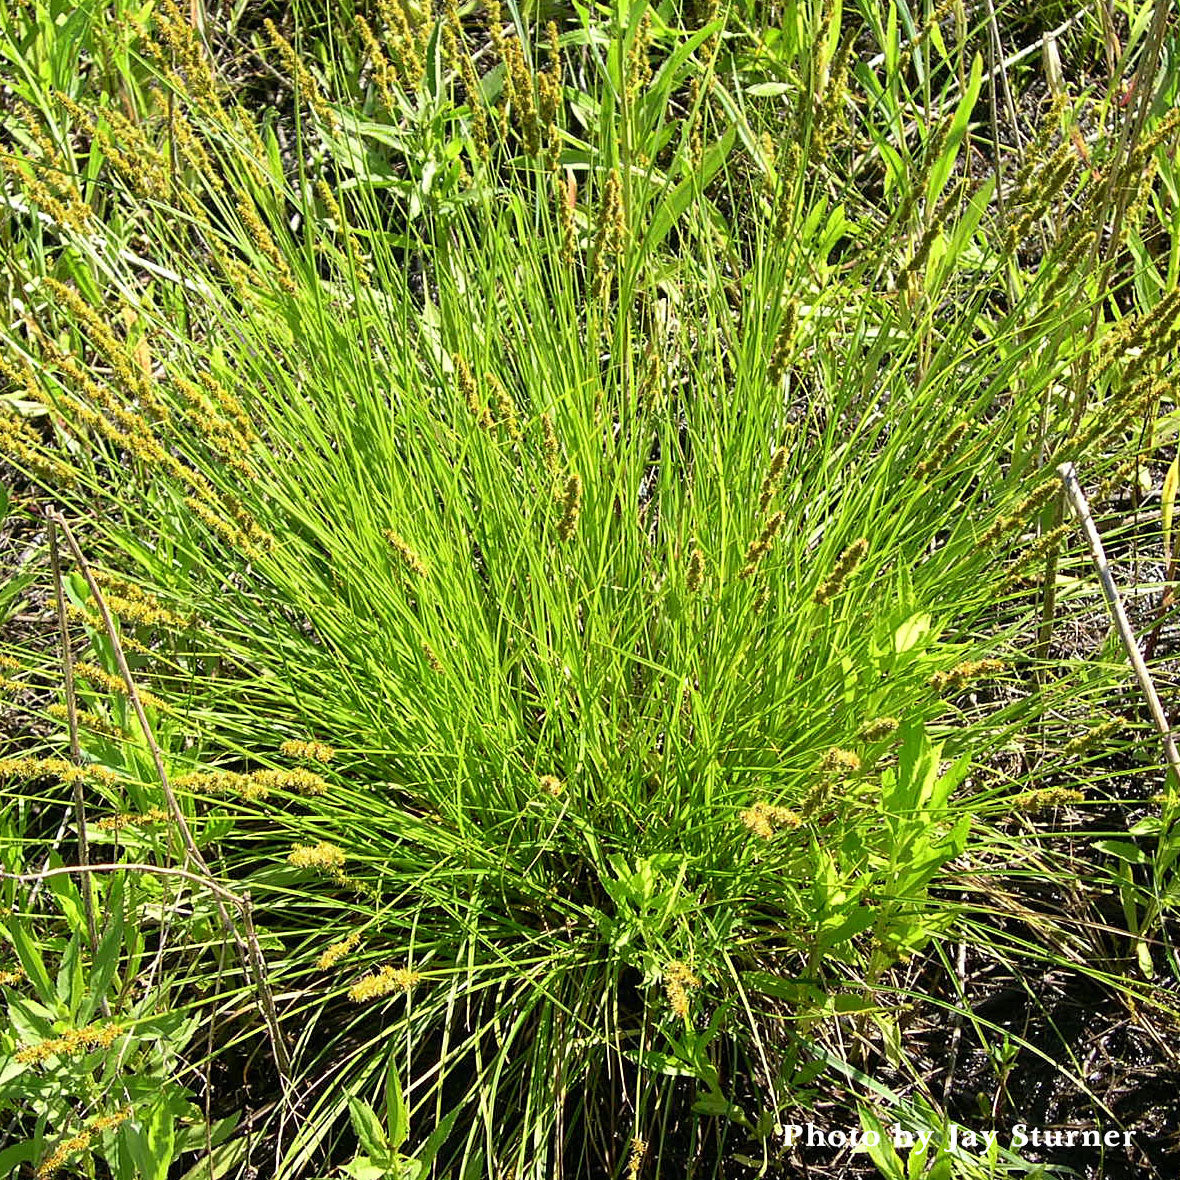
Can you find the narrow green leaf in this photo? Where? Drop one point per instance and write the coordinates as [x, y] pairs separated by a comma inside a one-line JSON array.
[[1168, 506]]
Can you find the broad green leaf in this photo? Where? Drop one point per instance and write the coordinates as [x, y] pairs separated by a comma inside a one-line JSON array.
[[149, 1135], [882, 1153], [912, 632], [31, 961], [19, 1153], [106, 957], [769, 89], [367, 1126], [941, 169], [797, 991], [1128, 853], [673, 206], [858, 921], [397, 1117], [70, 985], [849, 1004]]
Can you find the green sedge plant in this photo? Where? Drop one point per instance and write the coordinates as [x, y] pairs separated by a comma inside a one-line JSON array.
[[565, 538]]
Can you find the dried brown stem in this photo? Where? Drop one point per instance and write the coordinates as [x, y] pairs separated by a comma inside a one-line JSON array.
[[67, 672], [1118, 614], [249, 952]]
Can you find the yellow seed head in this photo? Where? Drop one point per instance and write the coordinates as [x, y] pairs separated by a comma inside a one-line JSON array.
[[337, 951], [470, 393], [678, 971], [781, 353], [695, 117], [404, 42], [519, 82], [323, 856], [211, 782], [840, 763], [74, 1040], [566, 200], [311, 751], [961, 675], [759, 548], [878, 729], [765, 819], [409, 558], [1094, 737], [678, 981], [154, 815], [305, 82], [937, 458], [1032, 802], [571, 507], [295, 779], [382, 983], [108, 1122], [505, 414], [1045, 545], [638, 62], [459, 58], [771, 480], [847, 562], [638, 1155], [610, 234], [550, 446], [383, 75], [62, 1152]]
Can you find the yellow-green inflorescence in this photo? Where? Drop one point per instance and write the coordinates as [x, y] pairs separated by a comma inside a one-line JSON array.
[[766, 819], [383, 983], [845, 564], [961, 675], [761, 546], [1032, 802], [571, 507]]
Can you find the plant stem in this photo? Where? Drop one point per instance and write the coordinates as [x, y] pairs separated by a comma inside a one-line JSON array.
[[1077, 498]]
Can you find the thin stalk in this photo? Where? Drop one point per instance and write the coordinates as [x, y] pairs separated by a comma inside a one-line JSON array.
[[1049, 590], [1118, 614], [67, 674], [249, 953]]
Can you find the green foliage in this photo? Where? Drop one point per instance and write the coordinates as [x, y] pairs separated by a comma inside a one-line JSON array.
[[623, 455], [94, 1064]]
